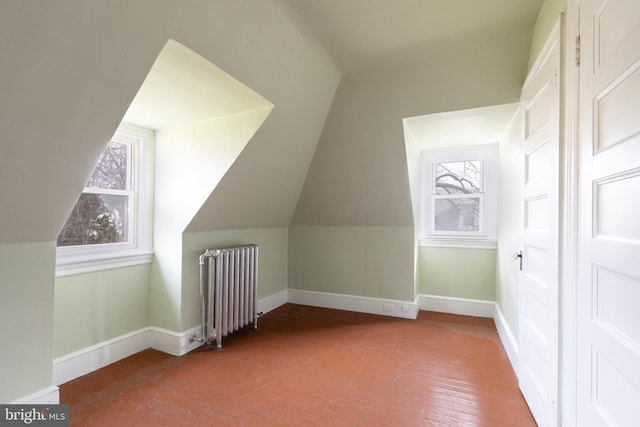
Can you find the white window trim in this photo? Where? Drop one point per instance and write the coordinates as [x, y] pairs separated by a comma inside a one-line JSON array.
[[72, 260], [486, 237]]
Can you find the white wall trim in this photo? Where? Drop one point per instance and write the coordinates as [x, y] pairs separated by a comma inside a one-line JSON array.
[[82, 362], [171, 342], [509, 341], [86, 360], [272, 302], [384, 307], [451, 305], [478, 308], [77, 265], [459, 243], [569, 222], [46, 396]]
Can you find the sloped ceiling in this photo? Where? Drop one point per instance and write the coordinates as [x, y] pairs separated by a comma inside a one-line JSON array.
[[357, 32], [470, 54], [70, 70]]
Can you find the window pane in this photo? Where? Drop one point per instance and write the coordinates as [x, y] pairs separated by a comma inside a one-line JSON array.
[[111, 170], [457, 214], [458, 177], [96, 218]]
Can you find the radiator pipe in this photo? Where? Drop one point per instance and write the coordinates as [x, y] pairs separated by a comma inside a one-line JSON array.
[[203, 337]]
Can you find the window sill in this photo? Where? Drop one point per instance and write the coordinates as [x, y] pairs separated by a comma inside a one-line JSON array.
[[88, 263], [458, 243]]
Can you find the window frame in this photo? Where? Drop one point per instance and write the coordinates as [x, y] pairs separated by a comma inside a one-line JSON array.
[[138, 247], [485, 237]]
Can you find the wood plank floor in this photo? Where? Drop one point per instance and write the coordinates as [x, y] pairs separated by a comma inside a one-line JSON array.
[[309, 366]]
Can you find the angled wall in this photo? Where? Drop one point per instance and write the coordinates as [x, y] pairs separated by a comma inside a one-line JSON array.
[[359, 179], [190, 161], [70, 70]]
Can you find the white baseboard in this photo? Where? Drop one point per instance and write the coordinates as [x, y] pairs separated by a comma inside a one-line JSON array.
[[171, 342], [509, 341], [478, 308], [81, 362], [46, 396], [165, 340], [462, 306], [384, 307], [272, 302]]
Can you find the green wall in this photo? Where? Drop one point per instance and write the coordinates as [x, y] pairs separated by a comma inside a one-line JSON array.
[[95, 307], [372, 262], [457, 272], [26, 310]]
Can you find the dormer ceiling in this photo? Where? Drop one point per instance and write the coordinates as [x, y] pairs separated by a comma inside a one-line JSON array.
[[183, 87]]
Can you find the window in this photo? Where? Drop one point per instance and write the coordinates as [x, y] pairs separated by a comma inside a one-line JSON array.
[[110, 224], [103, 212], [458, 206]]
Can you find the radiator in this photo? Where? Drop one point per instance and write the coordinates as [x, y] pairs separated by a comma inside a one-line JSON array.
[[228, 291]]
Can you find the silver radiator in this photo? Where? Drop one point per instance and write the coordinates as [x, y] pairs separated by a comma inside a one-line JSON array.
[[228, 291]]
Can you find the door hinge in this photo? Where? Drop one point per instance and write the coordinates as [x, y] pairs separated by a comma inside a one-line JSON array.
[[577, 51]]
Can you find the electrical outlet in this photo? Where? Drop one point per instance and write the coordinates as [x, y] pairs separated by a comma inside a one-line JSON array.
[[405, 308], [387, 307]]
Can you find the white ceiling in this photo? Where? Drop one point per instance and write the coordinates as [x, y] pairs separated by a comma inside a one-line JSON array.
[[486, 125], [355, 32]]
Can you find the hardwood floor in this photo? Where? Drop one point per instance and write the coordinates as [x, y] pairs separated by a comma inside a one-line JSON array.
[[309, 366]]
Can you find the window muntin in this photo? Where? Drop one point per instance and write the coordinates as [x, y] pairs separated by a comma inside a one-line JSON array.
[[104, 210], [111, 224], [459, 197]]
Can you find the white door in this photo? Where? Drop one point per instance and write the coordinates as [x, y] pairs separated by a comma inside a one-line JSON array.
[[538, 318], [608, 286]]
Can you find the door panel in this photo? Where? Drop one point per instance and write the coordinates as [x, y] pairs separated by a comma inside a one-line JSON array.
[[538, 308], [608, 287]]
